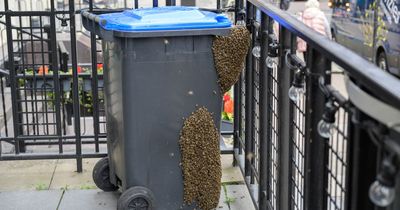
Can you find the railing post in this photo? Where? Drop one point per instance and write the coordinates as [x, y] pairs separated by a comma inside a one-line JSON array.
[[188, 2], [264, 138], [238, 8], [13, 84], [284, 121], [249, 98], [77, 118], [237, 97], [170, 2], [315, 146], [363, 166], [52, 44], [155, 3], [95, 87]]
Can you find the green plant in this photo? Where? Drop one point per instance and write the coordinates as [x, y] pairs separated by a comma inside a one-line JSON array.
[[228, 200], [85, 97], [41, 186], [87, 187]]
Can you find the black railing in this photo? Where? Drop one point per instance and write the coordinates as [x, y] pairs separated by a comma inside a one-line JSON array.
[[52, 81], [55, 93], [324, 149], [289, 157]]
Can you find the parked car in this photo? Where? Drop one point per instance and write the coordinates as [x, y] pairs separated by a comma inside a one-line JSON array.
[[370, 28]]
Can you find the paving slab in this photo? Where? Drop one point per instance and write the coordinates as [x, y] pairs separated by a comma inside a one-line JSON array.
[[26, 174], [23, 200], [65, 175], [229, 172], [222, 205], [240, 197], [89, 200]]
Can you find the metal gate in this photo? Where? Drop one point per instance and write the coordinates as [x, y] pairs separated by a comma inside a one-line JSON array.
[[51, 83], [51, 80]]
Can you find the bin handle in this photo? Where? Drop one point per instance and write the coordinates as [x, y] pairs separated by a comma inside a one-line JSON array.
[[90, 16]]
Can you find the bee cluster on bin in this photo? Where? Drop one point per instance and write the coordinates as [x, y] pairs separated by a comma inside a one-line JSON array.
[[201, 163], [229, 56], [199, 137]]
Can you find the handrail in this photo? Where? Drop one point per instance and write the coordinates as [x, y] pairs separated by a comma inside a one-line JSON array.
[[22, 30], [382, 84], [4, 72]]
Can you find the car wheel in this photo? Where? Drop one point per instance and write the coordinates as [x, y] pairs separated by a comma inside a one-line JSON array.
[[381, 62], [333, 37]]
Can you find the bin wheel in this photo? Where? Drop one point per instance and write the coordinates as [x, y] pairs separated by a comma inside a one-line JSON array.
[[136, 198], [101, 176]]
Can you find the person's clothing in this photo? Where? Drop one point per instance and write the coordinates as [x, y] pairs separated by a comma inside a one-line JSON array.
[[315, 19]]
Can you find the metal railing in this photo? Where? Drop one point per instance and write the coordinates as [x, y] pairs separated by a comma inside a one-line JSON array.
[[319, 149], [290, 159], [52, 103]]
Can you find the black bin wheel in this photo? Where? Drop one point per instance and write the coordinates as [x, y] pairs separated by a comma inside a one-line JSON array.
[[101, 175], [136, 198]]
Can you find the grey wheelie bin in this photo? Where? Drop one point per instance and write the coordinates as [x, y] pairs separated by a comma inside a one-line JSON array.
[[158, 67]]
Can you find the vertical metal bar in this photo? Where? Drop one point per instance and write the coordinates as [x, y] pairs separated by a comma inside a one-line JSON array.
[[4, 107], [155, 3], [237, 102], [237, 126], [19, 105], [349, 166], [240, 4], [95, 89], [269, 132], [237, 9], [188, 2], [236, 117], [249, 98], [255, 62], [363, 164], [170, 2], [44, 90], [284, 122], [293, 139], [136, 4], [33, 97], [43, 28], [77, 123], [13, 81], [64, 127], [315, 146], [56, 79], [218, 4], [33, 90], [263, 104]]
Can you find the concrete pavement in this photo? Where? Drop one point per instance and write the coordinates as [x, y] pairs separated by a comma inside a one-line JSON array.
[[54, 184]]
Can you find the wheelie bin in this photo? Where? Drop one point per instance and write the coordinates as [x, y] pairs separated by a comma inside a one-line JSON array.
[[158, 66]]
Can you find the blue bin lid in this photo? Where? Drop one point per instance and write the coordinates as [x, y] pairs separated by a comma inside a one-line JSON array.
[[163, 18]]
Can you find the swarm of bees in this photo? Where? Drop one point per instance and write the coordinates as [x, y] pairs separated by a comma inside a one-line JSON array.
[[201, 163], [199, 137], [229, 56]]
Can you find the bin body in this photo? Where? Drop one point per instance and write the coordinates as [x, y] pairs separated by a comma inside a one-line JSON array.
[[151, 85], [155, 76]]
